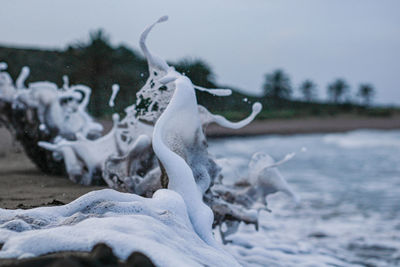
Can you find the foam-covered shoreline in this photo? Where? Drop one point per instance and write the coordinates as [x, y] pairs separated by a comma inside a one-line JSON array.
[[159, 227]]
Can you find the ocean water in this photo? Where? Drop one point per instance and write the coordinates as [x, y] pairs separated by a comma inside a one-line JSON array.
[[349, 184], [349, 215]]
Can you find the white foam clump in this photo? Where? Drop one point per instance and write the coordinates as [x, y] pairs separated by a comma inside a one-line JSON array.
[[93, 153], [159, 227], [64, 110]]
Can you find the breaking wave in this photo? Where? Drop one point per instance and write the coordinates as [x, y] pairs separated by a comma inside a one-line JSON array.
[[364, 139]]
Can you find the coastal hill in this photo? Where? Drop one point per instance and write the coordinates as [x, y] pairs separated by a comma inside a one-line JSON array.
[[99, 65]]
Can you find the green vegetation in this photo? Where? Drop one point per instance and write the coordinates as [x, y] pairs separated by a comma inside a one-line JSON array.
[[99, 65]]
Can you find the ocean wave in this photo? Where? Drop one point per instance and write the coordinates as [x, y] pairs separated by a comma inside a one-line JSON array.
[[364, 139]]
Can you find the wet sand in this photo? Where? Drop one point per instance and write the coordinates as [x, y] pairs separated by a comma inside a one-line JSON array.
[[22, 185]]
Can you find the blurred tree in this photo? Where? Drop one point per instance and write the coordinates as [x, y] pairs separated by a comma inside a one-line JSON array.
[[366, 92], [93, 64], [197, 70], [337, 90], [308, 89], [277, 85], [99, 65]]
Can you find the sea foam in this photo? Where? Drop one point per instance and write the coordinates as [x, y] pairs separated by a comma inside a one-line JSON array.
[[159, 227]]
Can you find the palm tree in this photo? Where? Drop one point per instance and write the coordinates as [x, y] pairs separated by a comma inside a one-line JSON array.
[[277, 85], [308, 89], [366, 92], [337, 90]]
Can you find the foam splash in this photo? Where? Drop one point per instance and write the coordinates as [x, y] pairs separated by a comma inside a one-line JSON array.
[[180, 175], [22, 77], [215, 91], [158, 227], [208, 118], [115, 90], [126, 158], [65, 82]]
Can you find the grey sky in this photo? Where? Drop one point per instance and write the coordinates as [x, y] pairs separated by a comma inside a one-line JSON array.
[[358, 40]]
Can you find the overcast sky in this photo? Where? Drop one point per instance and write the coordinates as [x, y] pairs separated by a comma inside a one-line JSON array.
[[358, 40]]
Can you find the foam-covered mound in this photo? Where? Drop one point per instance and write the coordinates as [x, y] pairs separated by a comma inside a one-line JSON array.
[[159, 227]]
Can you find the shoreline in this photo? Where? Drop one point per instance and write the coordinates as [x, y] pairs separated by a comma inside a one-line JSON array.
[[307, 125], [24, 186]]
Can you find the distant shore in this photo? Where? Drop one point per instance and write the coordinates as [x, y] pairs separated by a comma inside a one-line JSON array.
[[305, 125], [342, 123]]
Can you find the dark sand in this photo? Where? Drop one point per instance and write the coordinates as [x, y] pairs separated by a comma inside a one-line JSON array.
[[22, 185]]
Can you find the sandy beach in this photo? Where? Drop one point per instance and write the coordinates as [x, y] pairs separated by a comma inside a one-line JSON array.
[[24, 186]]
